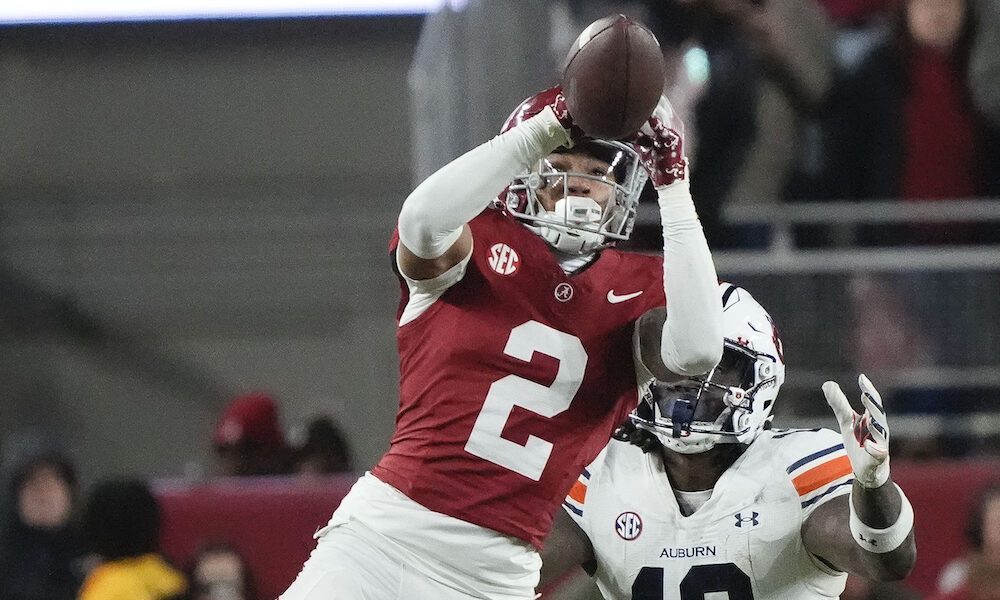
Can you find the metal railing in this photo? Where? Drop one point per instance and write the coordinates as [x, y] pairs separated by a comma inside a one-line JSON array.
[[951, 294], [782, 255]]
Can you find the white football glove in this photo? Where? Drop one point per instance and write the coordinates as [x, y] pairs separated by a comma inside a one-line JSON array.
[[866, 437]]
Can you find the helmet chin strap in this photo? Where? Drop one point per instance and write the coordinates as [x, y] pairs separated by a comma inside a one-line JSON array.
[[682, 414], [679, 437], [575, 211]]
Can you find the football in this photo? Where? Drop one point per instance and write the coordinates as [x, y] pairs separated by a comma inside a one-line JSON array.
[[613, 77]]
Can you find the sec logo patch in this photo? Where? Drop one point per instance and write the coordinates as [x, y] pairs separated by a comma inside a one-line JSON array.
[[628, 525], [503, 259]]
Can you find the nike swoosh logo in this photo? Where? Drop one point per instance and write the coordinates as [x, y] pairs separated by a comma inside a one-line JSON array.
[[614, 298]]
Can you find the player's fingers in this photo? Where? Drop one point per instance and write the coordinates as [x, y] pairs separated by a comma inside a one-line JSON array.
[[838, 402], [871, 398], [877, 449], [664, 109], [667, 114], [877, 423]]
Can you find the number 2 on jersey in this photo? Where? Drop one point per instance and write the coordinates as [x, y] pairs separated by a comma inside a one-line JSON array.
[[700, 580], [485, 440]]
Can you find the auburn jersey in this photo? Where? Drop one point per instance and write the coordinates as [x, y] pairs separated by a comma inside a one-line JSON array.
[[513, 378], [745, 541]]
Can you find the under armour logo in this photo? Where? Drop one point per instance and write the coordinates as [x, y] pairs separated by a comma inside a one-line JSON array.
[[740, 519]]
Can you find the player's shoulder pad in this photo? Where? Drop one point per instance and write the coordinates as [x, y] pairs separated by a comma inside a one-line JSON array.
[[642, 263], [615, 470], [620, 458], [791, 445], [814, 460], [577, 497]]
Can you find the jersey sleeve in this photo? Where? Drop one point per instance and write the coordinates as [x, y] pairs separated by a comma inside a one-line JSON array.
[[424, 292], [575, 503], [817, 466]]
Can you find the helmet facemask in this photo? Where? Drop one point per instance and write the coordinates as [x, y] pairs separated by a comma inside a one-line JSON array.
[[578, 224], [730, 404], [733, 402]]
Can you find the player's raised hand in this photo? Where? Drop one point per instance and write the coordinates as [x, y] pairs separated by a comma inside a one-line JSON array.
[[551, 98], [659, 143], [866, 436], [558, 104]]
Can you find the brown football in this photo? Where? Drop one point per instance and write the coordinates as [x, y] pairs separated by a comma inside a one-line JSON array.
[[613, 77]]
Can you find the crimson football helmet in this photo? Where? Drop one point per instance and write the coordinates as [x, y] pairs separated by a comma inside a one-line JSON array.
[[733, 402], [578, 225]]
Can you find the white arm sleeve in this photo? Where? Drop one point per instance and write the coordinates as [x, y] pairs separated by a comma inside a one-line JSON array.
[[433, 215], [692, 334]]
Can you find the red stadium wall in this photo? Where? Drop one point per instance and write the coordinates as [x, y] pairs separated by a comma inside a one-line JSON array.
[[271, 520], [942, 493]]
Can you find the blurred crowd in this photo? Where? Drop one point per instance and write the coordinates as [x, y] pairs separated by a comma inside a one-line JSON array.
[[248, 440], [838, 100], [60, 542], [782, 100]]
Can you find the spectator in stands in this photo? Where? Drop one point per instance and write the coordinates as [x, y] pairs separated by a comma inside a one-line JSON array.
[[39, 546], [121, 524], [975, 576], [219, 572], [984, 80], [769, 64], [324, 451], [248, 439], [903, 125], [984, 65]]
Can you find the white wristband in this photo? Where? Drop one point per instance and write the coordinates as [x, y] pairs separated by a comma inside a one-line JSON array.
[[885, 540]]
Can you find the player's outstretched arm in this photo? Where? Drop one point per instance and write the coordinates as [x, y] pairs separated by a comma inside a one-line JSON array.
[[870, 532], [691, 337], [432, 232], [565, 548]]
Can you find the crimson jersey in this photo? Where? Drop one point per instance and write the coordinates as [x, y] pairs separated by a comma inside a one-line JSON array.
[[514, 379]]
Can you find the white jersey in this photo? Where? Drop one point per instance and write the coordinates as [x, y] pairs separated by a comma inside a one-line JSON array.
[[744, 543]]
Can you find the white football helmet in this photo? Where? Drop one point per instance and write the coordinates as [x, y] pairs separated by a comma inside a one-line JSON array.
[[577, 225], [733, 402]]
